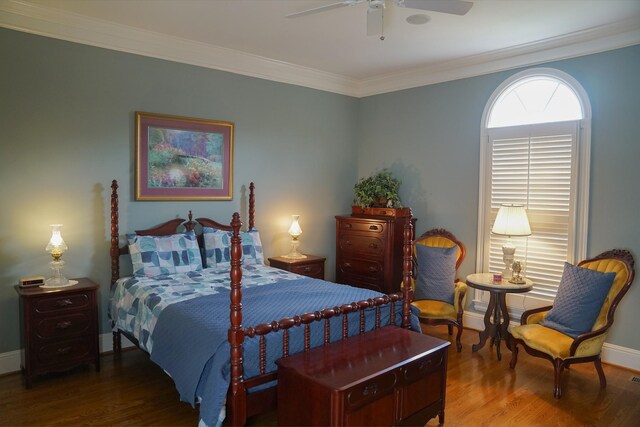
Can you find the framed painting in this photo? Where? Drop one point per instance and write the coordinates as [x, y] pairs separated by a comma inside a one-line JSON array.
[[181, 158]]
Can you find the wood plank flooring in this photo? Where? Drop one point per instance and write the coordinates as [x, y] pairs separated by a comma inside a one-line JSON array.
[[481, 391]]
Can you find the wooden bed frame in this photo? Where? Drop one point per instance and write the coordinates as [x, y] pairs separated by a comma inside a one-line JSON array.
[[241, 404]]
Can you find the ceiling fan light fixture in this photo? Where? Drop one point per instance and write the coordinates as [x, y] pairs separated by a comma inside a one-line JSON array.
[[418, 19]]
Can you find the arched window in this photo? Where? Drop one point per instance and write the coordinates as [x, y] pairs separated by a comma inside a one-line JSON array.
[[535, 152]]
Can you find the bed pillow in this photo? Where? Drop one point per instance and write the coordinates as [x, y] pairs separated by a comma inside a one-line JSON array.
[[580, 296], [436, 273], [217, 248], [156, 255]]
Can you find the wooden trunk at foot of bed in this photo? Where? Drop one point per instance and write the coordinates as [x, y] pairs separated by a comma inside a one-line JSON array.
[[241, 404]]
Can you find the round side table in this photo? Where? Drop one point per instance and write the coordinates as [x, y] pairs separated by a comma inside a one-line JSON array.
[[496, 319]]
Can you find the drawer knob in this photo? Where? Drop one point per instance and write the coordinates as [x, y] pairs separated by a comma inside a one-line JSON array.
[[373, 246], [64, 350], [348, 243], [307, 269], [347, 265], [64, 302], [373, 269], [63, 325], [370, 389], [373, 227]]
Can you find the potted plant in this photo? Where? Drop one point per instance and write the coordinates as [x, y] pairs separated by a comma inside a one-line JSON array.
[[379, 190]]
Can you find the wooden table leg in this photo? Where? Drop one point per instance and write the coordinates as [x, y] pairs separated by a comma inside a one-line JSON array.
[[489, 327]]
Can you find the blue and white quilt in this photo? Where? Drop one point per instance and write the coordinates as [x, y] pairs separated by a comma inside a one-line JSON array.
[[182, 321]]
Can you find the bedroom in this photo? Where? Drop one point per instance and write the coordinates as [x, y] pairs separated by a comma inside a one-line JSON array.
[[67, 121]]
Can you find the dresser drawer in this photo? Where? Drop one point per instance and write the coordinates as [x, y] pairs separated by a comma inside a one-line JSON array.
[[358, 245], [60, 303], [63, 326], [363, 226], [364, 269], [65, 352]]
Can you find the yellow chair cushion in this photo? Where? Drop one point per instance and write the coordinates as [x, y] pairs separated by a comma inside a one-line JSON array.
[[435, 309], [547, 340]]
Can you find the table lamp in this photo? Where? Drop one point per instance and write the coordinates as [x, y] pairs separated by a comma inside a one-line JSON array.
[[511, 221], [56, 248], [295, 231]]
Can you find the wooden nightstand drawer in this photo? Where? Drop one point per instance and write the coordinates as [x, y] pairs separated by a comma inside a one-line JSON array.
[[64, 352], [49, 304], [309, 270], [63, 326], [311, 266]]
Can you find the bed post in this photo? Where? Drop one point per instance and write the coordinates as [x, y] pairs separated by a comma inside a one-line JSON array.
[[252, 206], [237, 394], [407, 268], [115, 255]]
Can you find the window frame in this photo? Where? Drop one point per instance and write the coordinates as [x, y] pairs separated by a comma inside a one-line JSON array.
[[520, 302]]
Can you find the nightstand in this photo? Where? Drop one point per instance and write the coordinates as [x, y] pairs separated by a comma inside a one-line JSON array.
[[59, 328], [311, 266]]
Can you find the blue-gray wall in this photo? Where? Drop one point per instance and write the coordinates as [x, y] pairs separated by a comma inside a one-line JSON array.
[[66, 130], [429, 137]]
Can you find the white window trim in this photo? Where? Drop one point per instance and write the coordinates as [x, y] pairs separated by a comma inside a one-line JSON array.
[[520, 302]]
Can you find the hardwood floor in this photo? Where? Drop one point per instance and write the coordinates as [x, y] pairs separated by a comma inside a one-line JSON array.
[[481, 391]]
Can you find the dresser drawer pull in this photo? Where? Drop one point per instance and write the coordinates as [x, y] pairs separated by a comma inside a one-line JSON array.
[[347, 265], [64, 302], [348, 242], [370, 389], [63, 325], [64, 350], [425, 364], [307, 269], [373, 246], [373, 227], [373, 269], [347, 225]]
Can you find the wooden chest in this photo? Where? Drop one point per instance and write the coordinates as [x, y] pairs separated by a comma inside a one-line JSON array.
[[369, 251], [390, 376], [59, 328]]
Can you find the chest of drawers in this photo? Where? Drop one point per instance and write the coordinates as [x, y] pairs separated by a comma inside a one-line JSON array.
[[369, 251], [390, 376], [59, 328]]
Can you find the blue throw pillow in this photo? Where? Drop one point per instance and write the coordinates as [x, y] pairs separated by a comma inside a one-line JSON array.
[[581, 294], [436, 273]]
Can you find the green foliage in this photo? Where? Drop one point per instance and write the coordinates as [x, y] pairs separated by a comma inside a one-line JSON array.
[[380, 189]]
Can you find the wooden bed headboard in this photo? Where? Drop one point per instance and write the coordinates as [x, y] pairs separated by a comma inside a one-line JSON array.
[[164, 229]]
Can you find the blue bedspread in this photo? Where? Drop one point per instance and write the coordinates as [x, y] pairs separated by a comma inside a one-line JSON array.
[[191, 336]]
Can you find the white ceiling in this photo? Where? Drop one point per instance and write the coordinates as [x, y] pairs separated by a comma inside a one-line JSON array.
[[330, 50]]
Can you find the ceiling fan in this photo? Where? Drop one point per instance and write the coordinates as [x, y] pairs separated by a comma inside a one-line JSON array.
[[375, 11]]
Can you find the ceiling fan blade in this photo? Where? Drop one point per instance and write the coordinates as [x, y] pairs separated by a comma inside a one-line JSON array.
[[322, 8], [455, 7], [375, 17]]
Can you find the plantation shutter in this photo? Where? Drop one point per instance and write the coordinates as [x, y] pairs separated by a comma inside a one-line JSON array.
[[534, 166]]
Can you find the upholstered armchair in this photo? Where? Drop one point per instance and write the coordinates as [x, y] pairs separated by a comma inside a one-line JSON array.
[[539, 339], [436, 311]]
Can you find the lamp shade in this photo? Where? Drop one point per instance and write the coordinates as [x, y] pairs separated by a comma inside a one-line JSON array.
[[511, 221], [295, 230], [56, 243]]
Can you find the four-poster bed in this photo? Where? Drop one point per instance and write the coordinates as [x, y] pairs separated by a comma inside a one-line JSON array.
[[248, 362]]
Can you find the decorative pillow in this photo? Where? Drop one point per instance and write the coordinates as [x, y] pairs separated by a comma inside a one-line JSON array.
[[155, 255], [580, 296], [436, 273], [217, 246]]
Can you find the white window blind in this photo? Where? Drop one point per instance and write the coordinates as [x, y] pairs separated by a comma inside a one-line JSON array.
[[534, 165]]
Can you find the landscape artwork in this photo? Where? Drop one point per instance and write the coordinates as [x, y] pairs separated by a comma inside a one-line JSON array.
[[182, 158]]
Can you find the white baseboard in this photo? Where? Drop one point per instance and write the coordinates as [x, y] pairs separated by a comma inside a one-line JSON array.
[[612, 354]]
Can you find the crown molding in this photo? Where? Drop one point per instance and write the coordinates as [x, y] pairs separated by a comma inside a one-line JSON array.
[[76, 28]]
